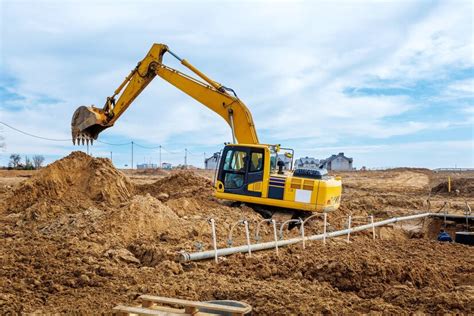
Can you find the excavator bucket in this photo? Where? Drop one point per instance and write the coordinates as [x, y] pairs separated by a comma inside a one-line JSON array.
[[86, 124]]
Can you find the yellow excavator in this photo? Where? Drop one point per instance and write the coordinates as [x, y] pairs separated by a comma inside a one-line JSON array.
[[259, 175]]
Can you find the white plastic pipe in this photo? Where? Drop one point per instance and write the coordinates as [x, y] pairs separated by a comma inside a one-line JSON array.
[[230, 241], [214, 239], [349, 222], [373, 226], [247, 235], [257, 231], [302, 235], [325, 227], [275, 235], [185, 256]]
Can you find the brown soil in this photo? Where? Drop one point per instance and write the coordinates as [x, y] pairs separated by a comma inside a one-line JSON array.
[[80, 236], [181, 184], [462, 187], [77, 180]]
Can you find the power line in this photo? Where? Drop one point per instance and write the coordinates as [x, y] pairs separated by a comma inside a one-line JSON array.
[[35, 136], [187, 152], [171, 152], [112, 144], [148, 147]]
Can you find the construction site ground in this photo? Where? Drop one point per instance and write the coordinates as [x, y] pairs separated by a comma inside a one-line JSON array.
[[82, 236]]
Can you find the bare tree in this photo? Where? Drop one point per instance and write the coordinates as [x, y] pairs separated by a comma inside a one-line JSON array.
[[38, 161], [14, 160], [28, 163]]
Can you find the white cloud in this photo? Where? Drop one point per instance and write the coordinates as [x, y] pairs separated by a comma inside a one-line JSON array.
[[289, 62]]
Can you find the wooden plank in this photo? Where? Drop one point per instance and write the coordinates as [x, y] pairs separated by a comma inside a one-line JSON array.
[[210, 306], [168, 309], [190, 310], [120, 309]]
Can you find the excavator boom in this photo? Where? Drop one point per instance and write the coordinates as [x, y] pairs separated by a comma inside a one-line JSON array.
[[88, 122]]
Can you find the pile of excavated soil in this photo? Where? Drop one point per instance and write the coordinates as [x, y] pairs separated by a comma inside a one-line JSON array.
[[181, 184], [465, 186], [142, 218], [380, 205], [76, 181], [393, 181]]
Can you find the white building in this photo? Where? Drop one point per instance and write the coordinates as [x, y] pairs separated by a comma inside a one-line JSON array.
[[212, 162], [337, 162], [307, 163], [166, 165], [147, 166]]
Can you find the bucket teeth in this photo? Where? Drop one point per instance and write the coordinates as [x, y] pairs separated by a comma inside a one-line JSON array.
[[82, 139]]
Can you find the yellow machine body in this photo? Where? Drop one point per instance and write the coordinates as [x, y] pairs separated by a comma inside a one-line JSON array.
[[264, 186]]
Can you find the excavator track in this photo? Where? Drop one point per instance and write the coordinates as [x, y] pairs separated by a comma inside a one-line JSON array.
[[280, 215]]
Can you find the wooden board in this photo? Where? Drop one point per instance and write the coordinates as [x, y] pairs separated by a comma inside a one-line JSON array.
[[196, 304], [125, 310]]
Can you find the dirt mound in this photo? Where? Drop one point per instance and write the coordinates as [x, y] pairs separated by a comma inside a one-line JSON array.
[[388, 276], [465, 186], [382, 204], [181, 184], [143, 218], [159, 172], [77, 180]]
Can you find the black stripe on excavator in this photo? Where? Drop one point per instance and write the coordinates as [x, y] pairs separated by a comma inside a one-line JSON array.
[[277, 179], [277, 184], [276, 192]]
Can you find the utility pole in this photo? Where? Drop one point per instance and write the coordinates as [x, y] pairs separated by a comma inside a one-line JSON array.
[[111, 157], [204, 161], [159, 166], [132, 154], [185, 158]]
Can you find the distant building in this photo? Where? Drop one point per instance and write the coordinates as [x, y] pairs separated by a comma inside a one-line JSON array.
[[337, 162], [212, 162], [166, 165], [147, 166], [307, 162]]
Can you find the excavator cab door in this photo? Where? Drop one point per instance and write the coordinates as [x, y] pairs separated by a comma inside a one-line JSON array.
[[241, 170]]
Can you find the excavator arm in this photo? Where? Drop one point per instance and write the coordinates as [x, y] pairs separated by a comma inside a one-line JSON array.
[[88, 122]]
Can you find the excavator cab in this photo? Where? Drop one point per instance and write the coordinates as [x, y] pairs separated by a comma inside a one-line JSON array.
[[241, 170], [254, 174]]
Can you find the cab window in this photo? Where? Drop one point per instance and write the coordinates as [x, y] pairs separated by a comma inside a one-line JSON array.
[[256, 161], [235, 160], [235, 165]]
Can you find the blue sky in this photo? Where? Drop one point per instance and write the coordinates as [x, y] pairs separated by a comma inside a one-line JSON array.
[[388, 83]]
